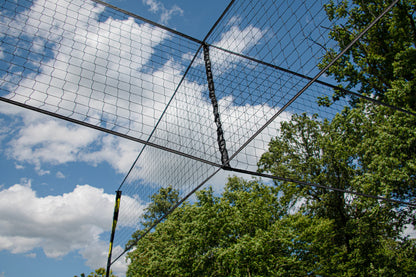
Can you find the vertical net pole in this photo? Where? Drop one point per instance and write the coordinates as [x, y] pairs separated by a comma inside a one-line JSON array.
[[113, 230]]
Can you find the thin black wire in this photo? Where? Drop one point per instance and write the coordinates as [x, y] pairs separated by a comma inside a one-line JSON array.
[[161, 116], [154, 129], [219, 166], [258, 174], [313, 80], [268, 123]]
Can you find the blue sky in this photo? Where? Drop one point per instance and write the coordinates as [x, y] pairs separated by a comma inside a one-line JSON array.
[[58, 180]]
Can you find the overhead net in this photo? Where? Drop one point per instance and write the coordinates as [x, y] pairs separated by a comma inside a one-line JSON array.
[[93, 64]]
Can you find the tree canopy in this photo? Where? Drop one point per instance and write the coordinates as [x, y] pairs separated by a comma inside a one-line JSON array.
[[240, 233], [381, 64], [98, 273]]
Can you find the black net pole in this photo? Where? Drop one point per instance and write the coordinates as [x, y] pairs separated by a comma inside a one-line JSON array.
[[113, 230]]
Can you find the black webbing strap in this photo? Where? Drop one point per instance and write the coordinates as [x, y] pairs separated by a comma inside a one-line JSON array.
[[220, 133]]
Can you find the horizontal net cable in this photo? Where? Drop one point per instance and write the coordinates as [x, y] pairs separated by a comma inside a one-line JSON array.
[[318, 75], [334, 87], [282, 179]]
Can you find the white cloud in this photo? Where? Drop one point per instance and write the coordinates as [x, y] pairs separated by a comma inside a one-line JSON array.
[[60, 175], [235, 40], [119, 153], [18, 166], [43, 141], [59, 224], [96, 70], [409, 231], [88, 82], [4, 130], [49, 141], [166, 14], [42, 172], [31, 255], [187, 125]]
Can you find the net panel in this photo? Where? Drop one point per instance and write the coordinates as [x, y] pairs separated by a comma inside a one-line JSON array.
[[93, 63], [82, 60]]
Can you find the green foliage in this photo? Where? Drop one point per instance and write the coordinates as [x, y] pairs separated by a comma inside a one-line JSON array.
[[98, 273], [366, 149], [382, 62], [237, 234], [248, 232], [162, 202]]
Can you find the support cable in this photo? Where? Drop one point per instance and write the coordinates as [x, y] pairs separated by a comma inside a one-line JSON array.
[[183, 77], [148, 21], [161, 116], [167, 213], [313, 80], [258, 174]]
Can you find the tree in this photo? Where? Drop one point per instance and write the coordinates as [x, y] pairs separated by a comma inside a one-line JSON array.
[[240, 233], [162, 202], [381, 64], [353, 152]]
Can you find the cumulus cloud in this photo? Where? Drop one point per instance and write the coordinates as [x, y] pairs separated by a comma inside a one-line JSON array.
[[95, 69], [238, 40], [59, 224], [51, 142]]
